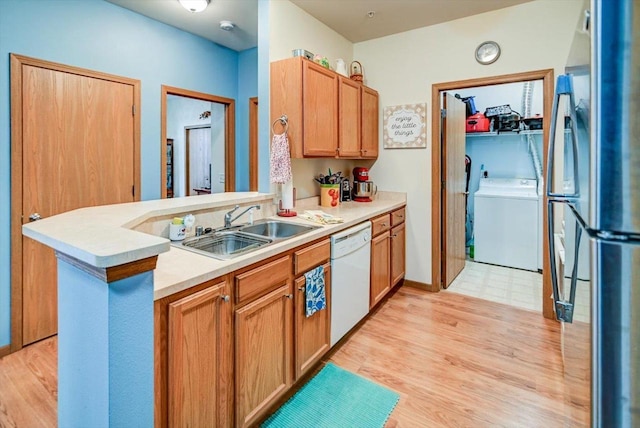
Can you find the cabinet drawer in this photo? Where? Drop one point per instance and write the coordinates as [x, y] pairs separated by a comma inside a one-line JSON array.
[[397, 217], [380, 224], [258, 281], [311, 256]]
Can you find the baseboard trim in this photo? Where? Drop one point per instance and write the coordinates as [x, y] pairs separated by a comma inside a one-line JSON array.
[[5, 350], [421, 286]]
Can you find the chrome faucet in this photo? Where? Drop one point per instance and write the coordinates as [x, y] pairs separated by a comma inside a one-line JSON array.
[[227, 217]]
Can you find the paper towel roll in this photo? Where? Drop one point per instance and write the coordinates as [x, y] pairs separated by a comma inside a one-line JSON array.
[[287, 195]]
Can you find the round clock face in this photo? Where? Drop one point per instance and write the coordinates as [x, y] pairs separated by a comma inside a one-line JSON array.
[[487, 52]]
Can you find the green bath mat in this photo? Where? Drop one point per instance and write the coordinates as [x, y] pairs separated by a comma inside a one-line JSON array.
[[336, 398]]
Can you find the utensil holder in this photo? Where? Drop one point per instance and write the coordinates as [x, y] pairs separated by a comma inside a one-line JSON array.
[[329, 195]]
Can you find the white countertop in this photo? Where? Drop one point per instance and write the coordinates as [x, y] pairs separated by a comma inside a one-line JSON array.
[[102, 236]]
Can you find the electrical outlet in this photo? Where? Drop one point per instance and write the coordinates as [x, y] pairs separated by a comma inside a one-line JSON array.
[[221, 177]]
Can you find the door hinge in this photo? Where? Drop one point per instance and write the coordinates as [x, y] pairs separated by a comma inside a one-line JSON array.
[[443, 113], [444, 184], [133, 109], [133, 190]]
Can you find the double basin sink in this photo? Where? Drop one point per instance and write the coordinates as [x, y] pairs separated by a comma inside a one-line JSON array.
[[229, 243]]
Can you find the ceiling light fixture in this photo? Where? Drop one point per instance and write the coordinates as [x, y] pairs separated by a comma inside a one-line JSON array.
[[194, 6], [227, 25], [371, 13]]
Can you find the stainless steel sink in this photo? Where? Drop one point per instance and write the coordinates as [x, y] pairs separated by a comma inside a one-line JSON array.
[[224, 245], [275, 229]]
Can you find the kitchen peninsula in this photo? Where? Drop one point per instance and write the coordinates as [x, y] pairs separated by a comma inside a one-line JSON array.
[[106, 322]]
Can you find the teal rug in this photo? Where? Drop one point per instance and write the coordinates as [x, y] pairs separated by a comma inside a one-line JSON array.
[[336, 398]]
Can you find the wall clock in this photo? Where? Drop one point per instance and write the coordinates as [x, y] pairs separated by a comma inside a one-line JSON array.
[[488, 52]]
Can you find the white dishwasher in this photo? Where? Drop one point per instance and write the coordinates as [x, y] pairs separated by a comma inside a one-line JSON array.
[[350, 260]]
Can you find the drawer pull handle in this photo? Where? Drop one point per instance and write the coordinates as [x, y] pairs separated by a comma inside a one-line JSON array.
[[300, 288], [384, 224], [289, 296], [225, 298], [401, 216]]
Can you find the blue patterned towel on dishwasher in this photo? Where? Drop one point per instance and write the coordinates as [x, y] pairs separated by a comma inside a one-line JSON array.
[[316, 298]]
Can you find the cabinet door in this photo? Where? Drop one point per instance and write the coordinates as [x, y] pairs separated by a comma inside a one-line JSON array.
[[320, 109], [349, 114], [369, 123], [263, 354], [380, 264], [199, 359], [398, 253], [313, 334]]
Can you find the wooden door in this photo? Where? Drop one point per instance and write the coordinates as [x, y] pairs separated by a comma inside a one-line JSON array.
[[198, 171], [75, 144], [313, 334], [264, 338], [453, 189], [369, 123], [199, 367], [380, 268], [398, 253], [349, 117], [320, 110]]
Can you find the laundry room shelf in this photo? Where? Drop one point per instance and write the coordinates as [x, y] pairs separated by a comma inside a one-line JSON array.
[[503, 134]]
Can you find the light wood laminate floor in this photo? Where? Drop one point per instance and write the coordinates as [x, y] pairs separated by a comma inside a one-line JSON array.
[[455, 360]]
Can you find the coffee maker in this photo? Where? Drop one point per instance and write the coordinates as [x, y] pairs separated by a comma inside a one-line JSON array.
[[363, 189]]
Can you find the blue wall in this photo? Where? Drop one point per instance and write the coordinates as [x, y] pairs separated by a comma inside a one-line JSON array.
[[100, 36], [247, 88]]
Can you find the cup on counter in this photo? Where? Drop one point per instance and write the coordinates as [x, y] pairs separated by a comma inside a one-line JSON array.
[[177, 232], [330, 195]]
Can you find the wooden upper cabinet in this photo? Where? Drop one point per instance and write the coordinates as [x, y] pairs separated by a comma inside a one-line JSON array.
[[350, 116], [329, 115], [369, 123], [320, 108]]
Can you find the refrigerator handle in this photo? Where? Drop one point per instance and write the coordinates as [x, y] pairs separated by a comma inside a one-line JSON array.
[[574, 276], [564, 87], [552, 256]]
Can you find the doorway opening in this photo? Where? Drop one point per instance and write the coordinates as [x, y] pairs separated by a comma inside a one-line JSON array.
[[444, 222], [208, 110]]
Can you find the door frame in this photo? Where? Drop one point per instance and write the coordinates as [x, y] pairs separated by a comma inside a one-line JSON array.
[[547, 76], [229, 138], [17, 62], [253, 144]]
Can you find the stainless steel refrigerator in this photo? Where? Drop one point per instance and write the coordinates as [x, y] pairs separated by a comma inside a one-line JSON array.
[[593, 189]]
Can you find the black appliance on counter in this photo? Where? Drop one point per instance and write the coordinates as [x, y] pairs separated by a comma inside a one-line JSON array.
[[345, 190]]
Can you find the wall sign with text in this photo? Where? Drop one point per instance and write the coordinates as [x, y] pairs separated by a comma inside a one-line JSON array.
[[405, 126]]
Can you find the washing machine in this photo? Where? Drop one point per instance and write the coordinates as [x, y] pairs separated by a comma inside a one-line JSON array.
[[506, 226]]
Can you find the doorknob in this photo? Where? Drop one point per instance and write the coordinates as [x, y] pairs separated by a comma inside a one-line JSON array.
[[35, 217]]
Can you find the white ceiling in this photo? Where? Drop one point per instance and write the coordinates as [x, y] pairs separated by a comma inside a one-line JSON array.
[[346, 17], [243, 13], [349, 17]]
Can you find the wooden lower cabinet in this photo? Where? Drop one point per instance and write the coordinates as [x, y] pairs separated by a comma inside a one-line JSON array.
[[380, 267], [193, 359], [263, 345], [398, 253], [313, 334]]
